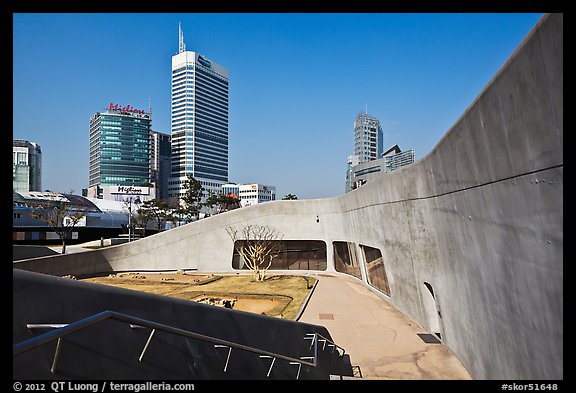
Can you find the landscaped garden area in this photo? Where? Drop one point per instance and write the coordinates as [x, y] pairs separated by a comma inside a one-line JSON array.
[[280, 296]]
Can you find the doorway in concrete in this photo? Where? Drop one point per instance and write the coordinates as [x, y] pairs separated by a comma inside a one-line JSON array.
[[432, 310]]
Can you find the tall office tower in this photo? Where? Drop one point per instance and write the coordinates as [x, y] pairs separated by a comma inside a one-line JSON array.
[[368, 137], [199, 121], [119, 150], [160, 159], [26, 166]]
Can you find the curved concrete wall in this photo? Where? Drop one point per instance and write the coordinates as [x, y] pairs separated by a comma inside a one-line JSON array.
[[479, 219]]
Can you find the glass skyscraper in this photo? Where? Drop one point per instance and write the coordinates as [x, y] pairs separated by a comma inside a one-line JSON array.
[[119, 147], [26, 166], [368, 137], [199, 128], [160, 159]]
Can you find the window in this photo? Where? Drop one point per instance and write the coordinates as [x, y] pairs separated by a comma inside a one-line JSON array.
[[345, 259], [376, 269], [295, 255]]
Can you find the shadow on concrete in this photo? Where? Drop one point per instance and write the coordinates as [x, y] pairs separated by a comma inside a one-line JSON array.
[[110, 349]]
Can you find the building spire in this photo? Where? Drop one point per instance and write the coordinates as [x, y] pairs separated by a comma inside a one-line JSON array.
[[181, 44]]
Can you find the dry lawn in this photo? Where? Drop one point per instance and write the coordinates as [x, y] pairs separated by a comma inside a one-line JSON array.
[[279, 296]]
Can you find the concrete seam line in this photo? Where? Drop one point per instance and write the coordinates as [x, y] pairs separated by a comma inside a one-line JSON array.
[[455, 191]]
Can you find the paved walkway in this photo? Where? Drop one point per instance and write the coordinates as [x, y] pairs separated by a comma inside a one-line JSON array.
[[378, 338]]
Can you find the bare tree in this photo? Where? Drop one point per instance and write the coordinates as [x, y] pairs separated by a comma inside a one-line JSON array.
[[61, 218], [257, 245]]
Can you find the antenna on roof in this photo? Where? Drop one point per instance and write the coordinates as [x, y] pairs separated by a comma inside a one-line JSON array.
[[181, 44], [366, 109]]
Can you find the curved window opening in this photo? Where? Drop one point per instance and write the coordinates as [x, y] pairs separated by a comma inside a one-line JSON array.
[[376, 270], [294, 255], [345, 260]]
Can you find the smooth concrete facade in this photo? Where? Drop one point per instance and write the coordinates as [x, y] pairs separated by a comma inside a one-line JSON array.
[[471, 235]]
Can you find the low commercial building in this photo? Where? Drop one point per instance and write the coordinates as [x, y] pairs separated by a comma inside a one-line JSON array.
[[250, 194], [122, 193], [392, 159]]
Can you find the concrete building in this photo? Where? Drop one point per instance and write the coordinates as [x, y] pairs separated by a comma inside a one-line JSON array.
[[467, 241], [368, 137], [119, 150], [160, 160], [26, 166], [199, 121]]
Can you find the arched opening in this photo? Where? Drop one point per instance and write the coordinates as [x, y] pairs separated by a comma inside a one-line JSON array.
[[432, 310]]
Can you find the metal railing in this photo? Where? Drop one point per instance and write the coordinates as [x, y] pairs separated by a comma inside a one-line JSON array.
[[62, 330]]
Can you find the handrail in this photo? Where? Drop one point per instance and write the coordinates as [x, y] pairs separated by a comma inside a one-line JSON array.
[[65, 329]]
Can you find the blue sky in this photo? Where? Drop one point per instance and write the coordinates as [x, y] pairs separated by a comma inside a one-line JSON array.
[[297, 81]]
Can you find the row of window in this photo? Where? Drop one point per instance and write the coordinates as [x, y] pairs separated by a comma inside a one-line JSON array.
[[136, 132], [217, 96], [311, 255], [206, 127], [206, 118], [211, 75], [183, 68], [216, 110], [210, 89]]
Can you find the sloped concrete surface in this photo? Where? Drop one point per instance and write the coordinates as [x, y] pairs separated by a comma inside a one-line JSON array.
[[378, 338]]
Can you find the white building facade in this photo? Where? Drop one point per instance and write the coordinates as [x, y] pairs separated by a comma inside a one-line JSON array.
[[252, 194]]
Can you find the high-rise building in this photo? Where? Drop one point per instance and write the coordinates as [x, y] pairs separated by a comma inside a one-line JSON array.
[[368, 137], [199, 121], [160, 159], [119, 152], [26, 166]]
